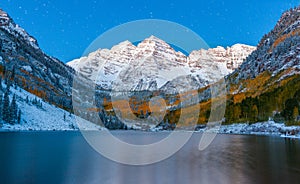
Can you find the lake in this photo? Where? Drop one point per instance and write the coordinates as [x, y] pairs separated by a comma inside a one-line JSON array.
[[65, 157]]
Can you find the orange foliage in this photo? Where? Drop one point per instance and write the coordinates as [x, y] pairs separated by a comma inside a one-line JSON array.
[[38, 93], [239, 97], [94, 109], [285, 36], [1, 70]]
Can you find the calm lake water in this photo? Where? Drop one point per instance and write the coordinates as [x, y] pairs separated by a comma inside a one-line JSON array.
[[65, 157]]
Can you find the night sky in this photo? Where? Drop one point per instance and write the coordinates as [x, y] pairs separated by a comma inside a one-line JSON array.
[[65, 28]]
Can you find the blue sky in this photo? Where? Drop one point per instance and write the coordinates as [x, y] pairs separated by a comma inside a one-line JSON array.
[[65, 28]]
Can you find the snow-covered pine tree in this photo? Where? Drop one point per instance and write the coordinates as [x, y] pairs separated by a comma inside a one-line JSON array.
[[27, 100], [19, 117], [5, 108], [13, 110]]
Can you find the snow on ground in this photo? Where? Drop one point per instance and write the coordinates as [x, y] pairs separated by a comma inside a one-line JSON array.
[[45, 118], [262, 128]]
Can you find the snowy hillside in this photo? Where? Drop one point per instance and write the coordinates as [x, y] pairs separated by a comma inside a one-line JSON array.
[[42, 117], [278, 51]]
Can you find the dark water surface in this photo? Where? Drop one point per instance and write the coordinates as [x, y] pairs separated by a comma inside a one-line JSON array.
[[65, 157]]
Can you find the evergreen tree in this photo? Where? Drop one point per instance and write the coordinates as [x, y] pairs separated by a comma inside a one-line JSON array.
[[27, 100], [13, 110], [5, 108], [295, 113], [288, 111], [254, 113], [19, 117]]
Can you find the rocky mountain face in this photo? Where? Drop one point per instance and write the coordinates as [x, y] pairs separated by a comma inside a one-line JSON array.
[[22, 62], [153, 64], [233, 56]]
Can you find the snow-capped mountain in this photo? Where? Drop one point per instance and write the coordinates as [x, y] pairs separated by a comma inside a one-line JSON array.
[[266, 85], [231, 56], [25, 64], [37, 85], [278, 51], [7, 24], [153, 63]]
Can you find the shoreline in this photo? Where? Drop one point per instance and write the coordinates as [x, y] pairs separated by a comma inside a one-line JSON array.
[[269, 128]]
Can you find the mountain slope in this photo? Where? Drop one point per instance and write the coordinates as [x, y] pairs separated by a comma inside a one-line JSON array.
[[277, 55], [37, 83], [268, 83], [22, 62], [38, 115]]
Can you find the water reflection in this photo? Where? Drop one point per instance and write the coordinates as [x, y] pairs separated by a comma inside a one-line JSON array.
[[65, 157]]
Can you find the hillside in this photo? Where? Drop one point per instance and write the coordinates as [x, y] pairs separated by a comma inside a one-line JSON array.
[[267, 84], [38, 115], [22, 62], [34, 87]]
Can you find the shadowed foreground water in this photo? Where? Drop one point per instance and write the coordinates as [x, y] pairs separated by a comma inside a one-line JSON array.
[[65, 157]]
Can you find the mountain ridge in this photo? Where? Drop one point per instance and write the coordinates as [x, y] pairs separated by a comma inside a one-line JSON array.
[[205, 66], [268, 81]]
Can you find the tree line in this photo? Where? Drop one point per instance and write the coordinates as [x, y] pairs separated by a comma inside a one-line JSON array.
[[9, 109], [281, 104]]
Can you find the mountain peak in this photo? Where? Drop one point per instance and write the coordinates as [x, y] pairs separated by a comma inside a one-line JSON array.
[[123, 45], [3, 13], [239, 45], [6, 23], [4, 18], [153, 40], [155, 45]]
